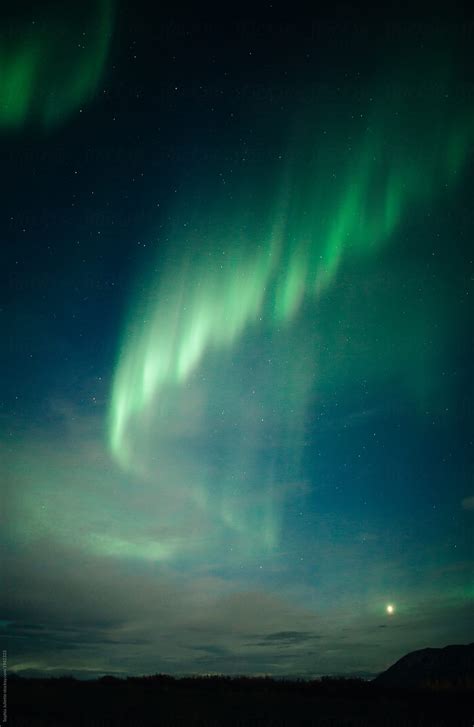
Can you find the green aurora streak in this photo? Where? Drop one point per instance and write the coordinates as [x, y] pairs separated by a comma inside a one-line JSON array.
[[247, 267], [53, 65]]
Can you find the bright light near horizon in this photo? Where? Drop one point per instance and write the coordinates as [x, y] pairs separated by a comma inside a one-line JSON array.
[[390, 609]]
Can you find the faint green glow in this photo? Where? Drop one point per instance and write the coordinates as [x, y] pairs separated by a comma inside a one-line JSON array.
[[146, 550], [238, 279], [49, 67]]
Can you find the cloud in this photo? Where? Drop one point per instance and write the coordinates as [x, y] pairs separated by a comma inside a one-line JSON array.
[[113, 615], [73, 607], [288, 638], [106, 611], [468, 503]]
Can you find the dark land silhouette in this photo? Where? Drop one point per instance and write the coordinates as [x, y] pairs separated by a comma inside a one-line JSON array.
[[432, 688], [451, 667]]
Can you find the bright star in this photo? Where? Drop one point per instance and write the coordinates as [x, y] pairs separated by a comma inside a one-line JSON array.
[[390, 609]]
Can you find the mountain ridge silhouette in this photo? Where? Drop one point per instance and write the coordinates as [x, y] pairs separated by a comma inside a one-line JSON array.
[[449, 666]]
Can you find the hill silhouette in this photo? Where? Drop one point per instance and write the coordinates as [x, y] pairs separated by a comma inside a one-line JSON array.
[[448, 668]]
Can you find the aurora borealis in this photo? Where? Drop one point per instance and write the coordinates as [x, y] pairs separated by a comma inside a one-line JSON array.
[[237, 427], [259, 274], [51, 65]]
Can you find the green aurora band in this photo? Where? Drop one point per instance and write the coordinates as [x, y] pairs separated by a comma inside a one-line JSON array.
[[250, 267], [52, 65]]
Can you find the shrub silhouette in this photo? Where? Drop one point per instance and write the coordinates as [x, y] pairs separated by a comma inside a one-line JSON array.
[[160, 699]]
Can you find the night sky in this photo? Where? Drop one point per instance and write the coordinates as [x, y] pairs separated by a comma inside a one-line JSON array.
[[237, 272]]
